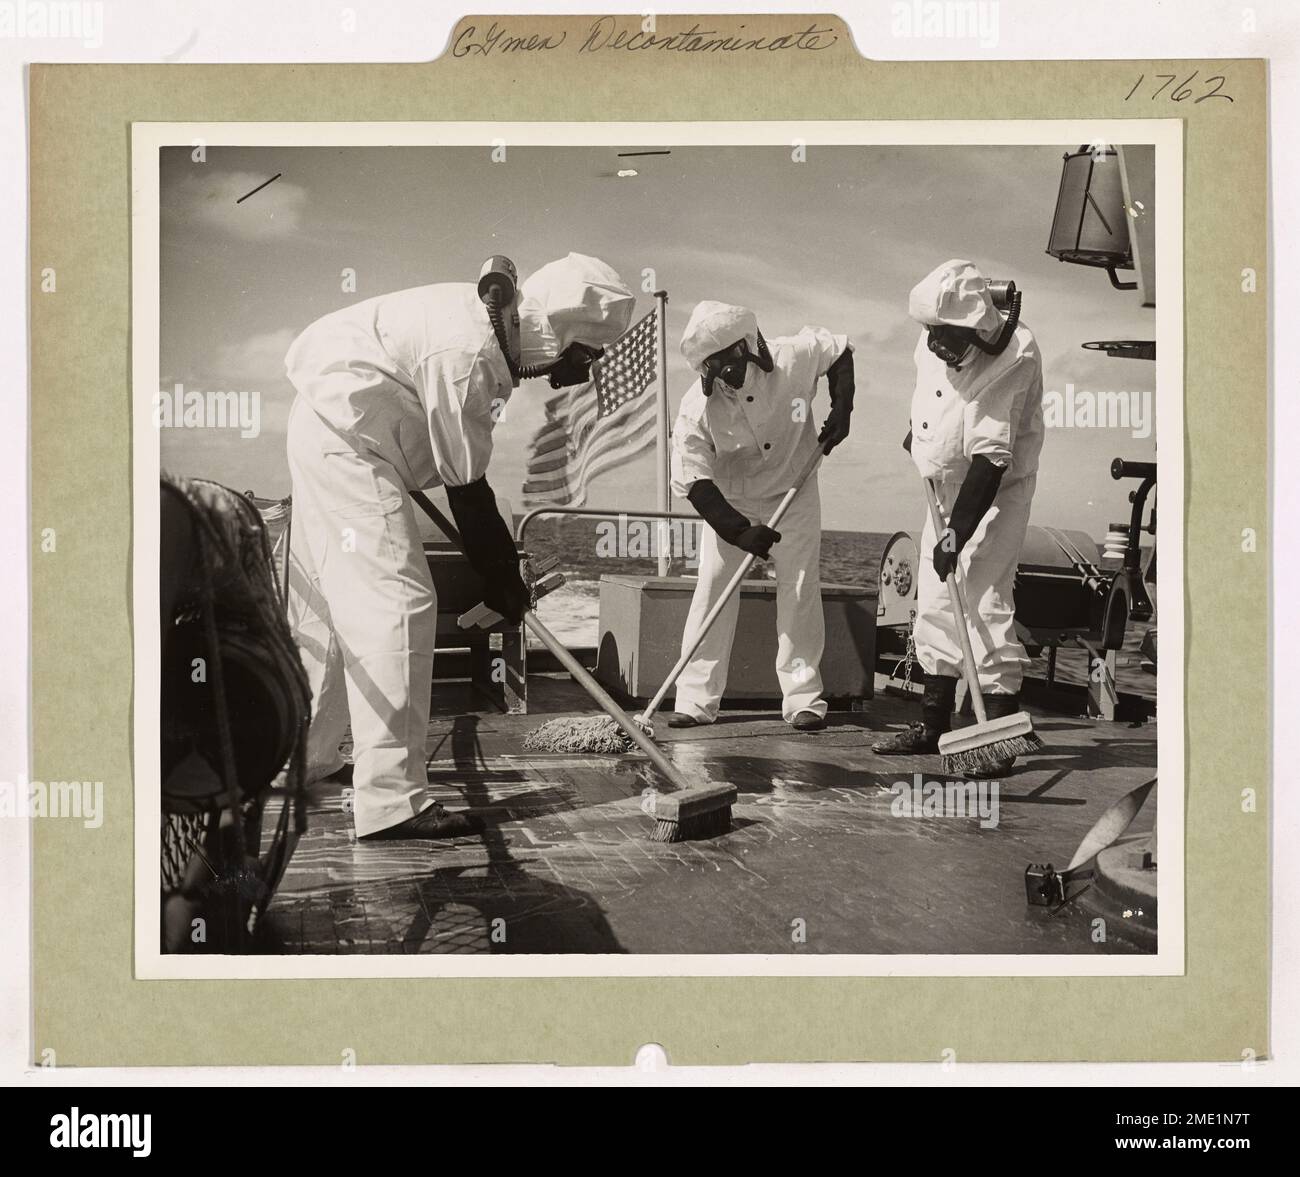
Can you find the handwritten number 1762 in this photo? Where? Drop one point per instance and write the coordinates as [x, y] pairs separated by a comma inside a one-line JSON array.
[[1183, 90]]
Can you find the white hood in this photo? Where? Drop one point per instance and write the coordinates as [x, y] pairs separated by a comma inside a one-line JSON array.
[[576, 299]]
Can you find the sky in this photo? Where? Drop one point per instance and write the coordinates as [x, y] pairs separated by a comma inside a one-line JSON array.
[[835, 241]]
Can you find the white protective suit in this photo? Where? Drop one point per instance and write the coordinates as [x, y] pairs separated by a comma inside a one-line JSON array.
[[400, 393], [991, 405], [753, 443]]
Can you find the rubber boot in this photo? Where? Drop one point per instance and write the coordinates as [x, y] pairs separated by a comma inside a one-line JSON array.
[[997, 707], [922, 739]]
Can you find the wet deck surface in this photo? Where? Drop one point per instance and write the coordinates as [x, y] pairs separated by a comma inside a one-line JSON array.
[[567, 863]]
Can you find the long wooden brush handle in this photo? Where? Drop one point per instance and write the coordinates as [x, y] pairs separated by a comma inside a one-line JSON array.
[[957, 595], [444, 524], [732, 585], [571, 664], [602, 699]]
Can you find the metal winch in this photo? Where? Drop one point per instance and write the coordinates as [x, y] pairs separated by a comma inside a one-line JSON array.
[[1068, 591]]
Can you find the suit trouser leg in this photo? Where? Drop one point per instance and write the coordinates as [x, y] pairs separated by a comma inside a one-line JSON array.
[[359, 526], [988, 568], [800, 622], [313, 631], [701, 685]]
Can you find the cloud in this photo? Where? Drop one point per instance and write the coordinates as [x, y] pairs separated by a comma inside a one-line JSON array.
[[782, 299], [254, 365], [257, 360], [211, 198], [254, 362]]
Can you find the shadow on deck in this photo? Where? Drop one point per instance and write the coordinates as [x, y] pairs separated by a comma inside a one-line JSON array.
[[816, 861]]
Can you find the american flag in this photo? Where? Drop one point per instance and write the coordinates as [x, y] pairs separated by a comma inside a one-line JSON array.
[[592, 427]]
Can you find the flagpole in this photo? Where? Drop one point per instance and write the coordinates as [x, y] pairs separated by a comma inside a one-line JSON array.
[[661, 435]]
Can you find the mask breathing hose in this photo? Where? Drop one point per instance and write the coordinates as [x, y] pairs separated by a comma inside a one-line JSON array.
[[493, 301], [999, 345]]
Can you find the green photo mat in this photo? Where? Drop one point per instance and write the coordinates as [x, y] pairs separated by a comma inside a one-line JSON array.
[[89, 1010]]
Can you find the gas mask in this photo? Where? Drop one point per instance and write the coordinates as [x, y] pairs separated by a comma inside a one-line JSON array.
[[951, 344], [497, 285], [573, 365], [731, 365]]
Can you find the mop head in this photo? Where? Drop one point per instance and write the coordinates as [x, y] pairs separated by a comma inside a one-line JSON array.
[[596, 733], [693, 813], [986, 747]]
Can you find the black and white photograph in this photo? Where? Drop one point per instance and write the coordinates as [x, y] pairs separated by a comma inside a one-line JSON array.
[[658, 549]]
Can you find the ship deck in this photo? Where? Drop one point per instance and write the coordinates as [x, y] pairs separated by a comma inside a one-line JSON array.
[[567, 863]]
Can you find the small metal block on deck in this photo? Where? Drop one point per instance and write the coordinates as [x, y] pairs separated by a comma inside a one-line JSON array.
[[499, 668]]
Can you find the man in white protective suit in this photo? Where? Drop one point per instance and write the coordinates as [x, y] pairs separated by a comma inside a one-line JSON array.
[[743, 433], [395, 394], [976, 432]]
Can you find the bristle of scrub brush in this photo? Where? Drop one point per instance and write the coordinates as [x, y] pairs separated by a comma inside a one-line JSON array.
[[598, 734], [702, 825], [990, 756]]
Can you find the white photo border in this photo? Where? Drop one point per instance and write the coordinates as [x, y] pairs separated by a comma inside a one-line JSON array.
[[147, 138]]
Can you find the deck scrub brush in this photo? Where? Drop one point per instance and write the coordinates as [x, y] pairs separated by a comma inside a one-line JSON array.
[[700, 812], [985, 747], [688, 811], [988, 745]]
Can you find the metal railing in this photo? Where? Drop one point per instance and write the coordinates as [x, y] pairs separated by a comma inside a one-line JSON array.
[[598, 512]]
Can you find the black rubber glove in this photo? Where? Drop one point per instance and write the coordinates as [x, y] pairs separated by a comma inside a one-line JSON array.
[[757, 540], [978, 490], [490, 548], [907, 442], [839, 378], [729, 523]]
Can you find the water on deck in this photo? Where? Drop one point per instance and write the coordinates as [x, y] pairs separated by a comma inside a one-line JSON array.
[[567, 863]]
